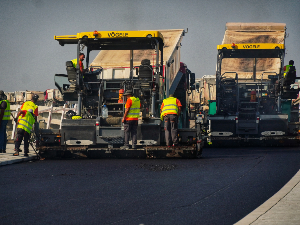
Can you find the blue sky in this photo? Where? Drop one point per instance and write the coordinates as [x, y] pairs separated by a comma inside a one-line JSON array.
[[30, 56]]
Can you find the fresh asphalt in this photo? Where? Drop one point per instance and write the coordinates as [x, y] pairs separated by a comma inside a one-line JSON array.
[[223, 187]]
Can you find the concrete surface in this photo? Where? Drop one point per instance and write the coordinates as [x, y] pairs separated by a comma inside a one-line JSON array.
[[8, 158], [281, 208]]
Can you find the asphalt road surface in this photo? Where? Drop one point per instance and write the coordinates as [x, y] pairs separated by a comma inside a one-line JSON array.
[[220, 188]]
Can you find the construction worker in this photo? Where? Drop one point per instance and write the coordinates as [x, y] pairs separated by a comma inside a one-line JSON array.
[[24, 129], [81, 58], [4, 118], [169, 112], [287, 67], [29, 105], [130, 119]]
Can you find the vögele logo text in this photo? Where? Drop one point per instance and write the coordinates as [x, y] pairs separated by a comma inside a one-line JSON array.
[[251, 46], [113, 34]]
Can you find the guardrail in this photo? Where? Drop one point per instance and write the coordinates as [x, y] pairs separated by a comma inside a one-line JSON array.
[[43, 109]]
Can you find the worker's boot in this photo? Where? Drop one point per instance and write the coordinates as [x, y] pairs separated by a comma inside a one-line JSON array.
[[16, 152], [124, 147]]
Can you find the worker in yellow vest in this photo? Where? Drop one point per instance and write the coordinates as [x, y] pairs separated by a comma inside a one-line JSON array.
[[130, 119], [81, 58], [4, 118], [169, 113], [24, 128], [287, 68]]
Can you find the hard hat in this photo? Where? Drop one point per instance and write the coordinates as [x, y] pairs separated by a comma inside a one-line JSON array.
[[1, 92], [30, 110], [35, 97], [128, 92]]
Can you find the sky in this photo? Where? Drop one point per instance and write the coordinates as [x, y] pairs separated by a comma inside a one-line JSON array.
[[30, 56]]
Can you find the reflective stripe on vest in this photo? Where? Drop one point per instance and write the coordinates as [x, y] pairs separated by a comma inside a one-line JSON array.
[[170, 106], [26, 122], [6, 115], [134, 111]]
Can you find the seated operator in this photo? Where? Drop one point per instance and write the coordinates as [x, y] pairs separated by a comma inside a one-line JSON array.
[[287, 68]]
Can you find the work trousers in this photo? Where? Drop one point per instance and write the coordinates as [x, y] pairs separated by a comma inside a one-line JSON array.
[[19, 137], [3, 137], [130, 127], [171, 129]]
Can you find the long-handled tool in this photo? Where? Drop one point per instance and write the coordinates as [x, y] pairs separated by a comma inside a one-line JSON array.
[[37, 154]]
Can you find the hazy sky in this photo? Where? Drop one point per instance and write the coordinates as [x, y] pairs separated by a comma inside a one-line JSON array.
[[30, 56]]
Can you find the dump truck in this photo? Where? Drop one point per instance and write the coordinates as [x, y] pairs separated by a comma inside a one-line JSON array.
[[19, 97], [11, 97], [147, 62], [204, 91], [253, 96], [53, 97]]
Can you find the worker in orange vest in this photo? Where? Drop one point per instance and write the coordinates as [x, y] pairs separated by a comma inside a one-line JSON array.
[[130, 119]]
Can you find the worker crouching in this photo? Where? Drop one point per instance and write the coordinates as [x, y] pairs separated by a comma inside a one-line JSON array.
[[130, 119], [24, 129]]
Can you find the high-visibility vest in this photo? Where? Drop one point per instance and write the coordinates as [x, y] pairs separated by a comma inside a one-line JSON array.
[[6, 115], [74, 61], [134, 111], [170, 107], [28, 105], [26, 122], [76, 117], [286, 69]]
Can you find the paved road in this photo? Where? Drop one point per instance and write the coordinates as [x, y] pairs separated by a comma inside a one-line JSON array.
[[221, 188]]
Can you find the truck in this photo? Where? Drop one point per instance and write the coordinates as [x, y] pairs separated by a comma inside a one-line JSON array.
[[53, 97], [202, 93], [19, 97], [147, 62], [254, 99]]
